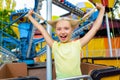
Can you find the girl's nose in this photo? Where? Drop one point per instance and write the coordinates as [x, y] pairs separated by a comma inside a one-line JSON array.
[[62, 31]]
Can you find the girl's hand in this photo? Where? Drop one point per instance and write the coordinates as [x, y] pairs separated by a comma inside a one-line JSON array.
[[99, 6], [30, 13]]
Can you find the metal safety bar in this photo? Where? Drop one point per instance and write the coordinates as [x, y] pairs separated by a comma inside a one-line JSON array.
[[88, 77]]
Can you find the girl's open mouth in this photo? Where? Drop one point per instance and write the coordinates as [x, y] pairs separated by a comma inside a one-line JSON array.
[[63, 37]]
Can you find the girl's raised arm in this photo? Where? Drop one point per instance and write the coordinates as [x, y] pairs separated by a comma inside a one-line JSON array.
[[95, 27], [43, 31]]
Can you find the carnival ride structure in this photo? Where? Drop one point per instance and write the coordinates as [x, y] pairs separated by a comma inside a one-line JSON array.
[[24, 47]]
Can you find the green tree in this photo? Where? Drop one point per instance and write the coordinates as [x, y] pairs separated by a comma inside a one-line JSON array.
[[6, 7]]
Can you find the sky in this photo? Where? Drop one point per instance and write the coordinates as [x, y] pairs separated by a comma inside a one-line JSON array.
[[20, 4]]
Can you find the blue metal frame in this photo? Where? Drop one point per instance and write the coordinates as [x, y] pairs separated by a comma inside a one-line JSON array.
[[25, 29]]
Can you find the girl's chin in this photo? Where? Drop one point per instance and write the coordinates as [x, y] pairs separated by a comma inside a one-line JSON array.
[[64, 41]]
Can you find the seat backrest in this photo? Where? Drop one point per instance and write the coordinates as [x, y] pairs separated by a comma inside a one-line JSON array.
[[11, 70]]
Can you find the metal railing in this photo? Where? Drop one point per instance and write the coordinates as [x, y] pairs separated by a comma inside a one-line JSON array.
[[88, 77]]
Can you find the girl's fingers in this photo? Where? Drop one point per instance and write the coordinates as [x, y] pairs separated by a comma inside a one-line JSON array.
[[99, 6]]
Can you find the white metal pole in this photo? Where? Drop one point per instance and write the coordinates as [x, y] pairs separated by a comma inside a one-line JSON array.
[[49, 57], [108, 34]]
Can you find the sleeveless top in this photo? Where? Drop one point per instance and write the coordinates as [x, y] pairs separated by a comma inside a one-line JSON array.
[[67, 59]]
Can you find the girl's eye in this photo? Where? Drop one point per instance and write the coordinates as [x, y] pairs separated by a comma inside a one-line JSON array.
[[66, 28], [58, 29]]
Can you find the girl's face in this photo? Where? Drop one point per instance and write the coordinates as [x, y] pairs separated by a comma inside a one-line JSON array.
[[64, 30]]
